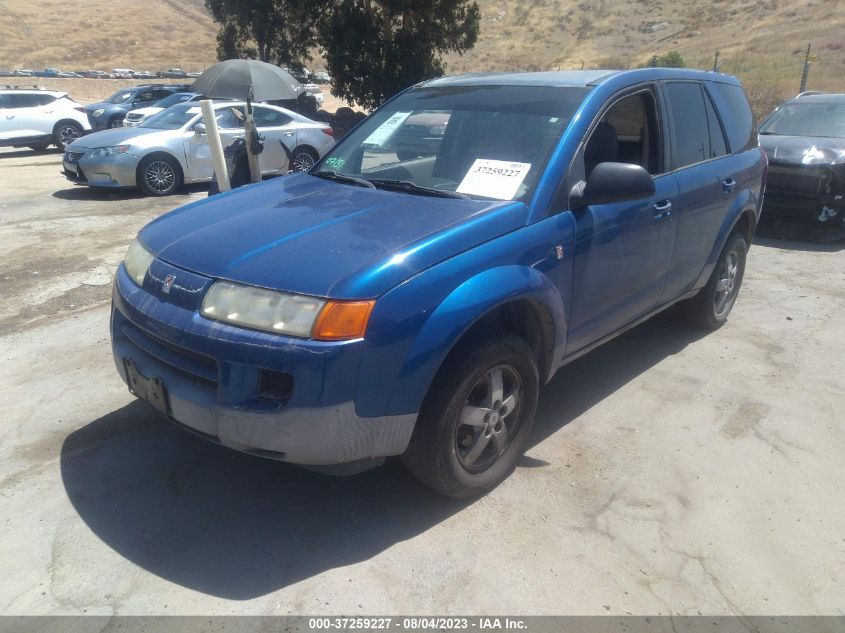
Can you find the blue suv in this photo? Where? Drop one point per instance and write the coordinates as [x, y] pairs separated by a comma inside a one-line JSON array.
[[412, 303]]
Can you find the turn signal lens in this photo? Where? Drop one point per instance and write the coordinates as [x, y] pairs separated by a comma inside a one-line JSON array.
[[340, 320]]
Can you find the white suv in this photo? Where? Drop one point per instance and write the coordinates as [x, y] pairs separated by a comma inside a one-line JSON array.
[[38, 118]]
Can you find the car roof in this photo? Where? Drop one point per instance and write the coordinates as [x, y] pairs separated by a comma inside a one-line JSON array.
[[33, 91], [575, 78], [819, 98]]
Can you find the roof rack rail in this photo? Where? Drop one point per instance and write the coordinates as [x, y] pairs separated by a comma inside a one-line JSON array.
[[807, 93]]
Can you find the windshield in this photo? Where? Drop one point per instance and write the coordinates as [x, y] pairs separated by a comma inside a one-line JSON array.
[[807, 119], [121, 96], [480, 141], [173, 118], [173, 99]]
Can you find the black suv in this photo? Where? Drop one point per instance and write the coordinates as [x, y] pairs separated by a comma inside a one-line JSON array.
[[112, 111]]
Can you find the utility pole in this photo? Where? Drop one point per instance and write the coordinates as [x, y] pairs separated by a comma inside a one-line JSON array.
[[716, 62], [806, 74]]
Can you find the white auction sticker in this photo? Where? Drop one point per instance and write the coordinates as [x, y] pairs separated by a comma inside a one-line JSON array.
[[384, 131], [494, 178]]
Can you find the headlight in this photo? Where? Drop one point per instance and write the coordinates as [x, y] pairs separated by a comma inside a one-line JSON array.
[[286, 313], [97, 113], [105, 152], [137, 261]]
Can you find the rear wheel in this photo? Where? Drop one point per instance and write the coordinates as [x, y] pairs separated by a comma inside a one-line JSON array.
[[66, 133], [159, 175], [476, 418], [304, 158], [709, 309]]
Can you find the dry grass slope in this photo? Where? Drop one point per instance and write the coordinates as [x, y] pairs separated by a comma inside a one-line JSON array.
[[762, 41]]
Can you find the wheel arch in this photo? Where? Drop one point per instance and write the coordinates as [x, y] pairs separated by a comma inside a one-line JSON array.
[[517, 299]]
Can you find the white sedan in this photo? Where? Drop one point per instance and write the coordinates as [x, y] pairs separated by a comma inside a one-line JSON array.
[[171, 148]]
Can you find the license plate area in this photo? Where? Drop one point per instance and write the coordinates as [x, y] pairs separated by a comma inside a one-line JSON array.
[[148, 389]]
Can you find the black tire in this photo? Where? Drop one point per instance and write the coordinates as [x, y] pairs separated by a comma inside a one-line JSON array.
[[709, 309], [65, 133], [115, 122], [304, 158], [444, 452], [159, 175]]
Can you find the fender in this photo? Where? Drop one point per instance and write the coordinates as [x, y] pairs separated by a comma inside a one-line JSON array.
[[463, 308]]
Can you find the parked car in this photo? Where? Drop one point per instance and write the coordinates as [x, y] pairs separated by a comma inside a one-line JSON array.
[[376, 306], [40, 118], [322, 77], [22, 73], [96, 74], [804, 139], [315, 91], [111, 112], [134, 117], [174, 73], [171, 148], [47, 72], [419, 135], [122, 73], [6, 73], [194, 75], [144, 74]]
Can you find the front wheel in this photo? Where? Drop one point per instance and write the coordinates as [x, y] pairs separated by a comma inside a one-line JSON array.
[[66, 133], [476, 419], [159, 175], [709, 309]]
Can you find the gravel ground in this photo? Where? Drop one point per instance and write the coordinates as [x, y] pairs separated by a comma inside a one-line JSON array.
[[670, 471]]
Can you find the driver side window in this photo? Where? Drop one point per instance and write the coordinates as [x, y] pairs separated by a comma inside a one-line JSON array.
[[626, 133]]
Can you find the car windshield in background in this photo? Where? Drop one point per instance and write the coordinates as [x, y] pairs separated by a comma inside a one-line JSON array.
[[480, 141], [173, 117], [807, 119], [173, 99], [121, 96]]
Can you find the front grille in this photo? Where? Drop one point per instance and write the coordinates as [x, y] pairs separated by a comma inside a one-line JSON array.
[[800, 181], [194, 364]]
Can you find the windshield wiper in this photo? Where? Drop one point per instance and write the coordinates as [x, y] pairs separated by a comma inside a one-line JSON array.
[[407, 185], [333, 175]]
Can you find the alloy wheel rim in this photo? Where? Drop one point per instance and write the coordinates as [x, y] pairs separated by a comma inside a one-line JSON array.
[[489, 419], [303, 162], [160, 176], [68, 134], [727, 285]]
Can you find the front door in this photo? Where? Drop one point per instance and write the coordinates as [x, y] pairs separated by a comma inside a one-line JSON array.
[[622, 250], [197, 151]]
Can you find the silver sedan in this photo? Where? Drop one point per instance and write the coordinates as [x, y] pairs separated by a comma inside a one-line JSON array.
[[171, 148]]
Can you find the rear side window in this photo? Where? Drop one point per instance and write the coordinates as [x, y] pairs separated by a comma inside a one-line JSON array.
[[27, 100], [740, 123], [690, 133], [265, 117], [717, 136]]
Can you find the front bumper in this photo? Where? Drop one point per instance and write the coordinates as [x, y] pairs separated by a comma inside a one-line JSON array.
[[114, 171], [213, 375], [803, 199]]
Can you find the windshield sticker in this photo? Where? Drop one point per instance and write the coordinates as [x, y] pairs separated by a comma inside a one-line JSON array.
[[494, 178], [384, 131], [335, 163]]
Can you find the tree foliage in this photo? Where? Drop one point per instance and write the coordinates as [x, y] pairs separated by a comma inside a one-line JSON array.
[[672, 59], [280, 32], [375, 48]]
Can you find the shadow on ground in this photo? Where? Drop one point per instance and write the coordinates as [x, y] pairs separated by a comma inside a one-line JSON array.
[[83, 192], [239, 527], [800, 245], [30, 153]]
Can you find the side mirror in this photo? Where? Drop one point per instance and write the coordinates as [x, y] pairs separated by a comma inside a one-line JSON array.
[[612, 182], [199, 128]]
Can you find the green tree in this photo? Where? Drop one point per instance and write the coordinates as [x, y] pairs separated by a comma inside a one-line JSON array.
[[375, 48], [672, 59], [276, 31]]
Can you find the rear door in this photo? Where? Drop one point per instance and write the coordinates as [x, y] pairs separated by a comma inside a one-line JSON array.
[[277, 128], [706, 188]]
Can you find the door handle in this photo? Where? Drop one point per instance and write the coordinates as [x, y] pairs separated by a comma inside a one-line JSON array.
[[287, 134], [728, 185], [662, 210]]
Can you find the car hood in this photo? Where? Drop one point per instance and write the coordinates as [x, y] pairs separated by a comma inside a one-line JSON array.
[[308, 235], [111, 137], [146, 111], [803, 150]]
